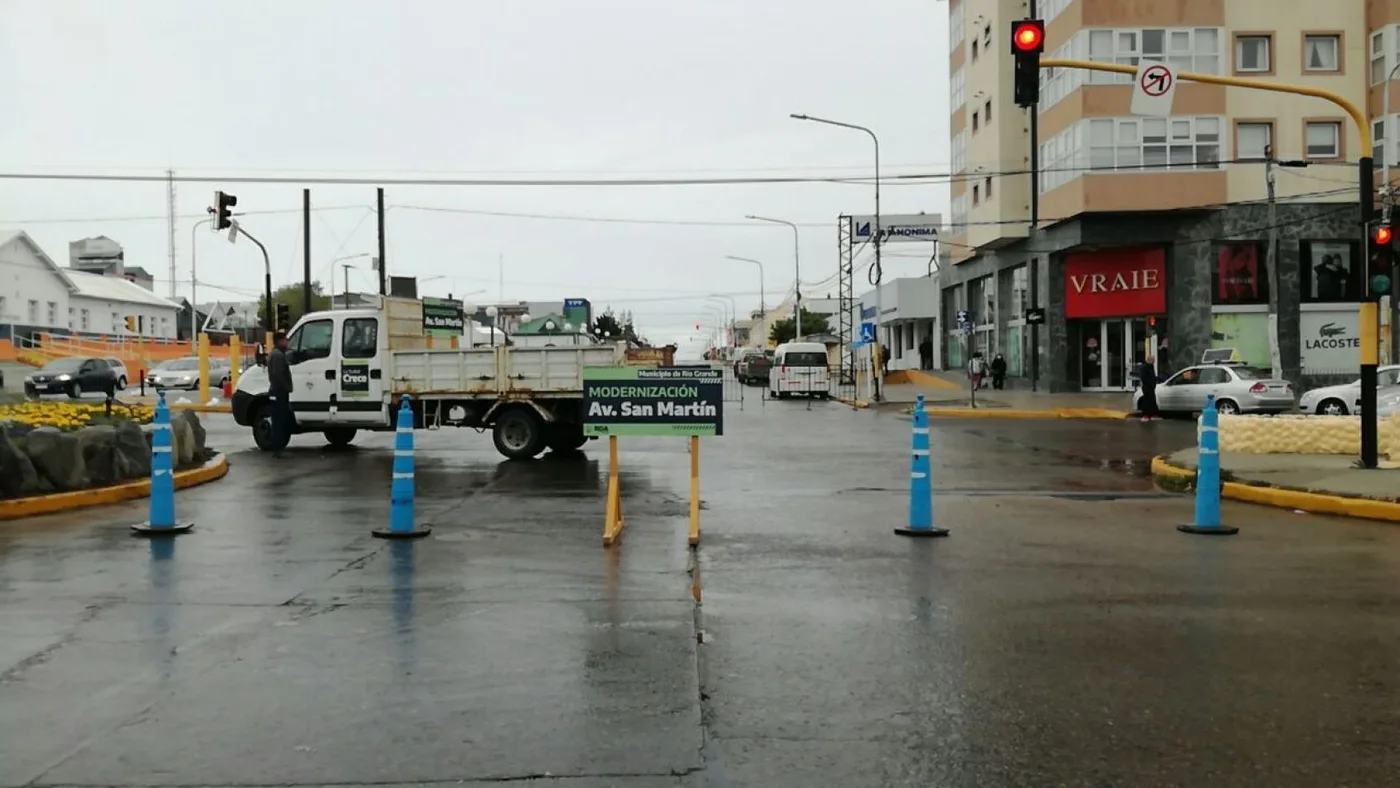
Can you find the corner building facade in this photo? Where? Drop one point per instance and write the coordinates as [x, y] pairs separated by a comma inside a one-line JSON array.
[[1155, 231]]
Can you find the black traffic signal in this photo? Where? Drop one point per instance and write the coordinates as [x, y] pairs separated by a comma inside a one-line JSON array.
[[1027, 42], [223, 210], [1380, 262], [284, 317]]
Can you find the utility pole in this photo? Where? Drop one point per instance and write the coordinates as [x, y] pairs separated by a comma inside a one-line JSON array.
[[383, 261], [1271, 266], [170, 221], [346, 266], [306, 251]]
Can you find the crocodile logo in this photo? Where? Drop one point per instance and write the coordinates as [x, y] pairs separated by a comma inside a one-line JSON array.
[[1331, 330]]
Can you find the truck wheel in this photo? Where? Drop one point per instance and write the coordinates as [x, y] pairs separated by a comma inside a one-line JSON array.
[[340, 437], [566, 438], [518, 434], [261, 417]]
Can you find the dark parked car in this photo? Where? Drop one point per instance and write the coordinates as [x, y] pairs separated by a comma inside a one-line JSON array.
[[754, 366], [72, 376]]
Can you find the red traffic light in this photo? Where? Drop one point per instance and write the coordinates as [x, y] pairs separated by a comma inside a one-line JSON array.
[[1028, 36], [1384, 235]]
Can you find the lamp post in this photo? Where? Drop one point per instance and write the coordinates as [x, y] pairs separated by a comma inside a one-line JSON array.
[[733, 314], [346, 267], [876, 271], [492, 312], [796, 271], [762, 307], [194, 284]]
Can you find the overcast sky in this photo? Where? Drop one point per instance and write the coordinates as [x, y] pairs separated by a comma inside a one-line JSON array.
[[478, 88]]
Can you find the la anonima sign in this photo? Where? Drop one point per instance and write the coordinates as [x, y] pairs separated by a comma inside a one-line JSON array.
[[678, 401]]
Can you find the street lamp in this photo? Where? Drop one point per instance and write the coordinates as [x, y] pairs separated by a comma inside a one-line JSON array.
[[733, 313], [877, 271], [492, 312], [346, 267], [762, 307], [796, 271]]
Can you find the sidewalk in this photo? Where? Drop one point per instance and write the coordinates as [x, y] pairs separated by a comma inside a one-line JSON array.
[[1009, 404], [1318, 483]]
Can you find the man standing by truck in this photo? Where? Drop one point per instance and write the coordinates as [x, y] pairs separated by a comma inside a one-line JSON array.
[[279, 390]]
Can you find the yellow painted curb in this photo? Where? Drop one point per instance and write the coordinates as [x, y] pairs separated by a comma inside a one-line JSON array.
[[1278, 497], [216, 468], [921, 378], [855, 403], [1025, 413]]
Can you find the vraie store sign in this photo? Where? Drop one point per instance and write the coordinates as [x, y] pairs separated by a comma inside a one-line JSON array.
[[1116, 283], [1331, 341]]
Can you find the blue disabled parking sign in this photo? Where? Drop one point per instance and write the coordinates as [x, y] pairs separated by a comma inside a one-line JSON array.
[[867, 332]]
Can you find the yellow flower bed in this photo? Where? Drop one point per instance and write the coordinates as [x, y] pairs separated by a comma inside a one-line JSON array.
[[72, 415]]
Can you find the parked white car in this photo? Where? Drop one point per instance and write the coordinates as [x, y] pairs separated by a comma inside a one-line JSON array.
[[120, 368], [1341, 399]]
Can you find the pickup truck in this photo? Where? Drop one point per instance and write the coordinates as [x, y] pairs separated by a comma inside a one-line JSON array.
[[350, 368]]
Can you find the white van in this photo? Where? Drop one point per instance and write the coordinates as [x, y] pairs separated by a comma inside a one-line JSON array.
[[800, 368]]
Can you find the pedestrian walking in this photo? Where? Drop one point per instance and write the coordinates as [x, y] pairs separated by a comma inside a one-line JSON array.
[[998, 372], [926, 354], [1147, 382], [279, 390], [976, 370]]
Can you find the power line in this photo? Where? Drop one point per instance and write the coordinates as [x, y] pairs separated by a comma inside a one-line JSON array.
[[165, 217], [333, 180]]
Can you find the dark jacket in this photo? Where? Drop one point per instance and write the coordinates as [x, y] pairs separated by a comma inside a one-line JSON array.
[[279, 373]]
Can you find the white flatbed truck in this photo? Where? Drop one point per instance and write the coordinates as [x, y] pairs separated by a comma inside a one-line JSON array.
[[351, 366]]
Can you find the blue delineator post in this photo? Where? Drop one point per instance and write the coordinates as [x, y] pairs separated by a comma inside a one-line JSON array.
[[402, 511], [162, 516], [1208, 477], [920, 480]]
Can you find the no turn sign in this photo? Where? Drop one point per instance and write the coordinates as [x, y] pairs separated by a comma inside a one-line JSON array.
[[1153, 89]]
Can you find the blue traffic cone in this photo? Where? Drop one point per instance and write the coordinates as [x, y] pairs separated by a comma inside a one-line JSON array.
[[162, 516], [1208, 477], [920, 481], [401, 490]]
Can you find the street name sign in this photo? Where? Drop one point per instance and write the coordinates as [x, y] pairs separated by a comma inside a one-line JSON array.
[[673, 401]]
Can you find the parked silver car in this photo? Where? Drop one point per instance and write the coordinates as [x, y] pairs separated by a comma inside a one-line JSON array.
[[1342, 399], [183, 373], [1237, 389]]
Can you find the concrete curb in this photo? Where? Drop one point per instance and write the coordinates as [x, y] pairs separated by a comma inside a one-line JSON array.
[[1284, 498], [220, 408], [214, 469], [855, 403], [1023, 413]]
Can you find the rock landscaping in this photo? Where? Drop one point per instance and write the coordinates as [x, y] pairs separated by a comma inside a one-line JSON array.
[[47, 448]]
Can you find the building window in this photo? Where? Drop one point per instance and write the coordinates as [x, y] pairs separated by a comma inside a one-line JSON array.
[[1195, 49], [987, 187], [974, 50], [83, 320], [957, 24], [53, 313], [976, 195], [1239, 277], [1330, 273], [959, 151], [1254, 54], [1252, 140], [987, 112], [959, 90], [1378, 141], [1378, 57], [117, 324], [987, 37], [1154, 143], [975, 125], [958, 222], [1323, 139], [4, 315], [1322, 52], [33, 312]]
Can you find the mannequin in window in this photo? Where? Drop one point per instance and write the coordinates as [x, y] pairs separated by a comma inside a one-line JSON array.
[[1330, 278]]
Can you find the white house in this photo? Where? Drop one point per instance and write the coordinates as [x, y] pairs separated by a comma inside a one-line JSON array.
[[36, 295]]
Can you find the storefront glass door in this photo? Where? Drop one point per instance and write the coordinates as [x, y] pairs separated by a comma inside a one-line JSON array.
[[1108, 351]]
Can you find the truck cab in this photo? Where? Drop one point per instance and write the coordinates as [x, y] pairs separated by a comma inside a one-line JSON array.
[[337, 360]]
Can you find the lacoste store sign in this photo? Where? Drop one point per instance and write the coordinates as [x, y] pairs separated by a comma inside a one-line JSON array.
[[1331, 341]]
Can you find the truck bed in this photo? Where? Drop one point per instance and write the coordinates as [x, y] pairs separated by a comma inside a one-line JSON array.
[[491, 372]]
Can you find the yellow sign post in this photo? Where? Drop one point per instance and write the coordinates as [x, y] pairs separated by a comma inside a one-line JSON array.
[[1369, 309], [203, 346]]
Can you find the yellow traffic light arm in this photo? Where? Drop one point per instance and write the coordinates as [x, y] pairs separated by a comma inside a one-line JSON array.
[[1362, 127]]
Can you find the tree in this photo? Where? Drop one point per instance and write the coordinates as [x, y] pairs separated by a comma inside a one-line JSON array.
[[785, 330], [617, 327], [291, 296]]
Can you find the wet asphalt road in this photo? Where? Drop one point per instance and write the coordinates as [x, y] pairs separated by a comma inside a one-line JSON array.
[[1065, 634]]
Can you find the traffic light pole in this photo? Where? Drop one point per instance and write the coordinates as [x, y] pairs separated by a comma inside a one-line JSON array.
[[267, 279], [1369, 309], [1032, 257]]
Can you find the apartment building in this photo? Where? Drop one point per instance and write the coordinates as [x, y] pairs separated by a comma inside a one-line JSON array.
[[1153, 230]]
